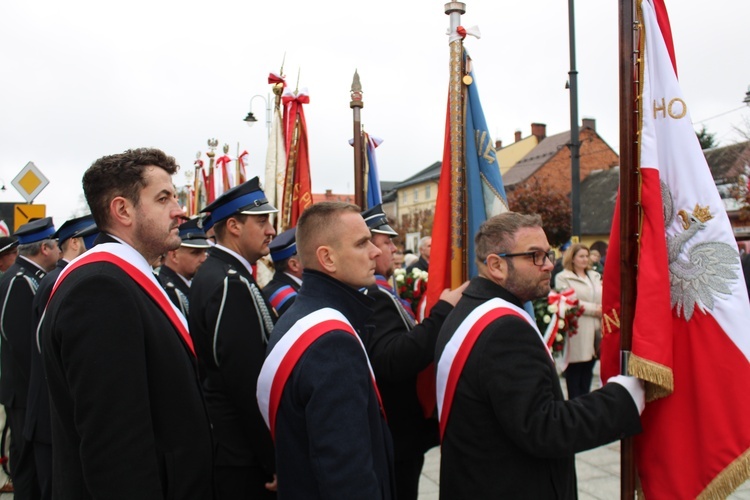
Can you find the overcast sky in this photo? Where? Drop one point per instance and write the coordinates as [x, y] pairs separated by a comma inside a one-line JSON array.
[[83, 79]]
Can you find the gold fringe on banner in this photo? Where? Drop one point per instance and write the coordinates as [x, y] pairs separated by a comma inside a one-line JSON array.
[[729, 479], [659, 378]]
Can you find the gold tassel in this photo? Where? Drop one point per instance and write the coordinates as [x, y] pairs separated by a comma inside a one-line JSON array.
[[659, 378], [729, 479]]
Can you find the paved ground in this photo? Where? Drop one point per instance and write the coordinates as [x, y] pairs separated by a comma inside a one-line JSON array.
[[598, 472]]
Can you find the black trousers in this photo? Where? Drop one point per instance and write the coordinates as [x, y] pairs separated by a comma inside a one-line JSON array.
[[21, 459], [578, 378], [242, 482], [407, 474]]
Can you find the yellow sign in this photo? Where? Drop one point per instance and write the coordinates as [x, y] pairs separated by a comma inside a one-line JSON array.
[[30, 181], [24, 213]]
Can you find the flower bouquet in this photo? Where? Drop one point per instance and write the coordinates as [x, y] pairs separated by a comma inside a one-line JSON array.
[[557, 316], [411, 286]]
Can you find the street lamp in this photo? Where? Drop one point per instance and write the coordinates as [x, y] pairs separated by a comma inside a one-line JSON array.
[[747, 96], [250, 119]]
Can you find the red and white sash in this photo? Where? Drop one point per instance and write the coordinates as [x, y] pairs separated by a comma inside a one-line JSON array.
[[457, 350], [284, 356], [132, 263]]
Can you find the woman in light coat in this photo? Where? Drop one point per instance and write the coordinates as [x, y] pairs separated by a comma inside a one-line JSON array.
[[578, 275]]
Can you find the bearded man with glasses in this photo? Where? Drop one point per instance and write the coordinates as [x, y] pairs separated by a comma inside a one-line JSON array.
[[506, 429]]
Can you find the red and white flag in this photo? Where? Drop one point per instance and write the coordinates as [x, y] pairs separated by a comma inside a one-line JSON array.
[[691, 340]]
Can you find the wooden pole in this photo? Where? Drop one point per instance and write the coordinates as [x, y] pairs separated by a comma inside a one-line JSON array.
[[629, 213], [356, 104], [456, 103]]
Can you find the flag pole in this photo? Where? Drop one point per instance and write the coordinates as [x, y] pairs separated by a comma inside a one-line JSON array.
[[629, 212], [456, 103], [356, 104]]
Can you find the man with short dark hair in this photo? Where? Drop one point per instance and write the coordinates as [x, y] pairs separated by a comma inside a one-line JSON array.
[[287, 277], [37, 427], [230, 323], [37, 254], [399, 350], [316, 390], [180, 265], [507, 431], [128, 417]]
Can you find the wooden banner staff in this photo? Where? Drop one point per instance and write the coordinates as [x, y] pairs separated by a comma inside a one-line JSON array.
[[356, 104]]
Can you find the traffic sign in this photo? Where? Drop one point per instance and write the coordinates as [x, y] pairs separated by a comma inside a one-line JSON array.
[[30, 182], [24, 213]]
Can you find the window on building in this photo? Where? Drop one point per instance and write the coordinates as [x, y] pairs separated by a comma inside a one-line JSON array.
[[416, 195], [427, 192]]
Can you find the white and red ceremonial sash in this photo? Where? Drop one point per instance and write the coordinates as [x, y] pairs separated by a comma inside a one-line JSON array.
[[134, 265], [690, 339], [457, 350], [284, 356]]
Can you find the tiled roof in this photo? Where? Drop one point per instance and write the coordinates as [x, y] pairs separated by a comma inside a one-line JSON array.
[[537, 157], [431, 173], [728, 162], [598, 195]]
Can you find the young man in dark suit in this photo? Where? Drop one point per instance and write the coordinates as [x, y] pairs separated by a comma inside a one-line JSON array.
[[507, 431], [128, 417], [230, 323], [316, 389]]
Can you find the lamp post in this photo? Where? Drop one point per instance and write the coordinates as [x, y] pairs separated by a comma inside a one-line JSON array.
[[746, 100], [250, 119], [575, 144]]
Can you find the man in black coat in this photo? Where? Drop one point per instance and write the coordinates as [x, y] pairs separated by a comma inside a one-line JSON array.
[[316, 389], [128, 417], [180, 265], [37, 254], [230, 323], [37, 426], [281, 291], [507, 431], [399, 349], [8, 252]]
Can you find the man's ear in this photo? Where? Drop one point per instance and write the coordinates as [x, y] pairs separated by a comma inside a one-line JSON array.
[[326, 258], [294, 264], [497, 268], [121, 211], [234, 226]]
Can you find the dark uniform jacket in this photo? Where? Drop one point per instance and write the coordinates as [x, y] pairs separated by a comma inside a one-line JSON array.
[[17, 289], [510, 434], [230, 338], [398, 351], [281, 291], [419, 264], [177, 290], [37, 427], [128, 418], [332, 440]]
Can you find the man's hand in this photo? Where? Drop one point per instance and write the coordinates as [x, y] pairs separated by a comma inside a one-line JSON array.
[[273, 486], [452, 296]]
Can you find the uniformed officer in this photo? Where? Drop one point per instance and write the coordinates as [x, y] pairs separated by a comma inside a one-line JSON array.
[[399, 350], [8, 252], [37, 255], [287, 278], [230, 323], [37, 428], [180, 265]]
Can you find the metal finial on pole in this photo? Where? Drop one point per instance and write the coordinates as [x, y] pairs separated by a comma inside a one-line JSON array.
[[356, 104]]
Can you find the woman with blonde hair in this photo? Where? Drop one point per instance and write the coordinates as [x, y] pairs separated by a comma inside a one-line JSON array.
[[587, 283]]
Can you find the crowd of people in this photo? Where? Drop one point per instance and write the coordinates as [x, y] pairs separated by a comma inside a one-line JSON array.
[[197, 382]]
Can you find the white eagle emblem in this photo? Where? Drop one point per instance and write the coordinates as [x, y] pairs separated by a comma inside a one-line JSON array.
[[710, 267]]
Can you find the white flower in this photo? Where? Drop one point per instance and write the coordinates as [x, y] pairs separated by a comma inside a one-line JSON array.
[[399, 272], [552, 308], [559, 337], [399, 278], [546, 319], [561, 323]]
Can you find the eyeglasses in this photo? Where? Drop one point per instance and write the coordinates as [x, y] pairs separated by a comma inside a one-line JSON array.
[[537, 255]]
